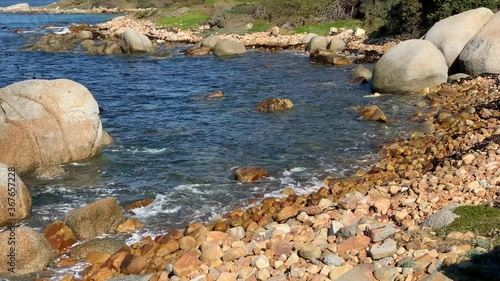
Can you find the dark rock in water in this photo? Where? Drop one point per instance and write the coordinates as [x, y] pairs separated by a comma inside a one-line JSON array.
[[368, 56], [215, 95], [250, 174], [274, 104], [161, 54], [138, 204], [202, 51], [97, 218], [328, 57], [103, 245], [372, 113], [358, 80]]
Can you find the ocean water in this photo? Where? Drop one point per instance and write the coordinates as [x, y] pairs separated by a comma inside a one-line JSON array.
[[172, 146]]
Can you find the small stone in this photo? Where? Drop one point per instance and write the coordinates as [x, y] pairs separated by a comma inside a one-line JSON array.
[[286, 213], [468, 158], [380, 232], [133, 264], [386, 273], [437, 276], [387, 248], [335, 227], [358, 242], [237, 232], [263, 274], [97, 257], [187, 243], [338, 271], [372, 113], [186, 264], [60, 236], [329, 258], [310, 252], [261, 262], [235, 253], [226, 276]]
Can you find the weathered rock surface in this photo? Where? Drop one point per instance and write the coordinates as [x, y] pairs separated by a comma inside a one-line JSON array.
[[48, 122], [229, 48], [274, 104], [451, 34], [59, 236], [409, 67], [372, 113], [103, 245], [308, 37], [97, 218], [13, 194], [328, 57], [32, 252], [250, 174], [482, 53], [135, 42], [317, 42], [210, 41], [337, 45]]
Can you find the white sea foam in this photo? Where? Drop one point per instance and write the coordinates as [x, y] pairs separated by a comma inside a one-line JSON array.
[[191, 188], [161, 205]]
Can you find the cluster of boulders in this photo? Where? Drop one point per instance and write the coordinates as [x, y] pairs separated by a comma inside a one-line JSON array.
[[467, 43], [218, 47], [131, 42]]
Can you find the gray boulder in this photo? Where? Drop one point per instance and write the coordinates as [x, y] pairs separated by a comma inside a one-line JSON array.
[[482, 53], [229, 48], [134, 42], [451, 34], [48, 122], [32, 252], [317, 42], [52, 42], [308, 37], [97, 218], [361, 71], [408, 67], [210, 41], [103, 245], [336, 45]]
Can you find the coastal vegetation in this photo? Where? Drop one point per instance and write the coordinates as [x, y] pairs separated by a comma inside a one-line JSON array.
[[407, 18]]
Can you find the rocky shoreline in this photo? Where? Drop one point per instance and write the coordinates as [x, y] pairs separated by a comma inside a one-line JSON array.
[[380, 224]]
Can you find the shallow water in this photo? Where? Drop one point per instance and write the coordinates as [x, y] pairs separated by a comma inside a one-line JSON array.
[[181, 150]]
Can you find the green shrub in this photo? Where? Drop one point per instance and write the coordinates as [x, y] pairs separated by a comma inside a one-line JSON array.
[[437, 10]]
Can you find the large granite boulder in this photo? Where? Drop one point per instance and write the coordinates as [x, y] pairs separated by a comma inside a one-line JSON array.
[[410, 66], [482, 53], [48, 122], [210, 41], [308, 37], [451, 34], [229, 48], [15, 197], [317, 42], [134, 42], [97, 218], [32, 252]]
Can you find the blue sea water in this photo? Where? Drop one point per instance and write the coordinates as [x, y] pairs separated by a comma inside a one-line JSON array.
[[181, 150]]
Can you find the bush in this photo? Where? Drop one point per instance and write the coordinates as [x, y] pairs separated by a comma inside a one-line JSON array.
[[437, 10]]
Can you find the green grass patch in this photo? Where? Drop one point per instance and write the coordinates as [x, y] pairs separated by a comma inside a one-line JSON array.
[[323, 28], [478, 219], [260, 25], [186, 21]]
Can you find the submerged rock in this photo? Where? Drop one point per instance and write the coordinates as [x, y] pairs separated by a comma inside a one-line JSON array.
[[274, 104], [250, 174], [372, 113], [48, 122], [328, 57], [32, 252]]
